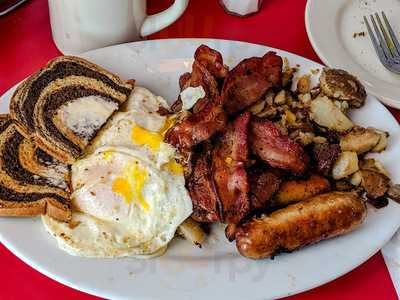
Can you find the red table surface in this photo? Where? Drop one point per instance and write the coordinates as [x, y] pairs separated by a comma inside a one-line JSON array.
[[26, 45]]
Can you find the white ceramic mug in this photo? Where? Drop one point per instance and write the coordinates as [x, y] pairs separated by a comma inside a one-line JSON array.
[[82, 25]]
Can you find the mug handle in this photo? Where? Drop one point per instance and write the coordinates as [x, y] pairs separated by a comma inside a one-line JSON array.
[[163, 19]]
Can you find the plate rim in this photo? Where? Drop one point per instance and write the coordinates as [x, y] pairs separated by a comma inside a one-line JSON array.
[[332, 62], [64, 280]]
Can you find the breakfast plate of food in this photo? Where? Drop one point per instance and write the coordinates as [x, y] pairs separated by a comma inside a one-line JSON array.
[[193, 168]]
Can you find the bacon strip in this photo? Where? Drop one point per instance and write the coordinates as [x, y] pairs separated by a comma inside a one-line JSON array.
[[207, 66], [228, 167], [250, 80], [184, 80], [212, 60], [264, 183], [200, 184], [208, 115], [200, 76], [276, 149], [197, 127]]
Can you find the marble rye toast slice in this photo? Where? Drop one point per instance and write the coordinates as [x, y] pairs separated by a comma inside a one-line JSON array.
[[31, 181], [64, 105]]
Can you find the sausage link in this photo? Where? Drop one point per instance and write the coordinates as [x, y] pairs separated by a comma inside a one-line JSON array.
[[321, 217], [298, 190]]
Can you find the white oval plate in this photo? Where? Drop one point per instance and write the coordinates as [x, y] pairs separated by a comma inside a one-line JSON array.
[[216, 270], [330, 27]]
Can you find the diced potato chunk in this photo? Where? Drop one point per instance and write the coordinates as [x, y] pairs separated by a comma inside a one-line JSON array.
[[290, 117], [345, 165], [280, 98], [304, 84], [372, 164], [319, 140], [360, 140], [394, 192], [356, 178], [192, 231], [341, 85], [374, 183], [305, 98], [327, 114], [257, 107], [383, 141]]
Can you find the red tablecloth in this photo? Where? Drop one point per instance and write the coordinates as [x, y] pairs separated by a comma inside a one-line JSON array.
[[26, 44]]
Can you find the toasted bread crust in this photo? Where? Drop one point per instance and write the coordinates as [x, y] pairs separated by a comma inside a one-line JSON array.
[[46, 206], [28, 185], [31, 182], [38, 100]]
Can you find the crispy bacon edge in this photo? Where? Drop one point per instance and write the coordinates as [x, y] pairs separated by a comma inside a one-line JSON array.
[[264, 183], [197, 127], [229, 159], [200, 184], [276, 149], [250, 80], [212, 60]]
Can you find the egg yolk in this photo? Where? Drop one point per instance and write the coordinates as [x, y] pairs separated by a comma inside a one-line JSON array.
[[121, 186], [169, 122], [228, 160], [141, 136], [107, 155], [130, 185], [174, 167]]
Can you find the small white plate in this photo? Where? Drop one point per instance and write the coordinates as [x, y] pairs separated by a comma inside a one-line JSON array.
[[216, 271], [331, 25]]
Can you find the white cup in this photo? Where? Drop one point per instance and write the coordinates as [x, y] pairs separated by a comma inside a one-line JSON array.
[[82, 25]]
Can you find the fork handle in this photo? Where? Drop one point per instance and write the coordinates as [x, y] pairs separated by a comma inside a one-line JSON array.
[[12, 7]]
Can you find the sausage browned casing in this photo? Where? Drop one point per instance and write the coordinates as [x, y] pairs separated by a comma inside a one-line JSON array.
[[293, 191], [321, 217]]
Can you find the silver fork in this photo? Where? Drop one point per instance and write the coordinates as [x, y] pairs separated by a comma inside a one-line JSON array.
[[386, 44], [11, 7]]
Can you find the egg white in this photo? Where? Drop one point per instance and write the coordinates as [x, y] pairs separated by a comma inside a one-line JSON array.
[[93, 238], [129, 194]]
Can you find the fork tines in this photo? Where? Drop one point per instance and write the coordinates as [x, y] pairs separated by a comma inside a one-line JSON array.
[[384, 41]]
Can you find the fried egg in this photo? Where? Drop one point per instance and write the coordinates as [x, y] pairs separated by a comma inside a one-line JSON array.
[[129, 194]]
